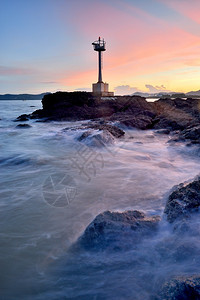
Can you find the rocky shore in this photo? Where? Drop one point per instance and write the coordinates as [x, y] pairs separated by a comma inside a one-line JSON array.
[[121, 231], [177, 116]]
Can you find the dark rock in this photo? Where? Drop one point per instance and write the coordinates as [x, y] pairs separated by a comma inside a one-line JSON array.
[[23, 126], [115, 231], [191, 134], [115, 131], [132, 110], [181, 288], [84, 135], [176, 113], [22, 118], [163, 131], [183, 201]]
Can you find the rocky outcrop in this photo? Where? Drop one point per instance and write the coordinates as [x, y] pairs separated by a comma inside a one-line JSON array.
[[116, 231], [184, 200], [132, 111], [176, 114], [181, 288]]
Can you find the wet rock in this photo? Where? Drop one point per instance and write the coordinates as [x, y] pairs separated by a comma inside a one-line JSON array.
[[115, 131], [184, 200], [84, 135], [191, 135], [116, 231], [22, 118], [181, 288], [23, 126], [163, 131], [97, 138]]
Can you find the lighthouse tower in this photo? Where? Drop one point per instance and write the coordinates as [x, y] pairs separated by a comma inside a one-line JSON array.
[[100, 88]]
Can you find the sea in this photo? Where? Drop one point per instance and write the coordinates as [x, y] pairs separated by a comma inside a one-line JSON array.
[[52, 185]]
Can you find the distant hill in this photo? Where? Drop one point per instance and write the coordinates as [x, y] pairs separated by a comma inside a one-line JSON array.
[[159, 95], [142, 94], [22, 96], [193, 93], [171, 94]]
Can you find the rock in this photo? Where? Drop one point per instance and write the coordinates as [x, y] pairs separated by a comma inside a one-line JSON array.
[[23, 126], [84, 135], [132, 110], [97, 138], [22, 118], [116, 231], [115, 131], [163, 131], [191, 134], [184, 200], [181, 288], [176, 114]]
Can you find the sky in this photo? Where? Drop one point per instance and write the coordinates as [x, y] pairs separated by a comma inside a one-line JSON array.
[[151, 45]]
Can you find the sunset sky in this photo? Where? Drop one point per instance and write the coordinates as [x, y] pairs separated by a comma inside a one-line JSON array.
[[152, 45]]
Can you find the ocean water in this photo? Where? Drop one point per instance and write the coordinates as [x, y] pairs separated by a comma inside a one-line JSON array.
[[52, 186]]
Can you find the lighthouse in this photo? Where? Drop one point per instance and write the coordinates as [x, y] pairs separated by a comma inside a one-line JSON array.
[[100, 88]]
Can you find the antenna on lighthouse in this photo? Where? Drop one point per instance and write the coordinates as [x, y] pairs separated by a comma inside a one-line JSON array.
[[100, 88]]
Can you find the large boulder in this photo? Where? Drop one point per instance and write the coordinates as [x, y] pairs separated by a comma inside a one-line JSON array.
[[181, 288], [184, 200], [116, 231]]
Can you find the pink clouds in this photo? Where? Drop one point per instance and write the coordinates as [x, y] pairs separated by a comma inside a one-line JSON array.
[[187, 8], [138, 43], [9, 71]]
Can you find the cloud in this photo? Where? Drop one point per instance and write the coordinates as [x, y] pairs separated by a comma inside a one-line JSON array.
[[125, 90], [185, 8], [48, 82], [156, 89], [9, 71]]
